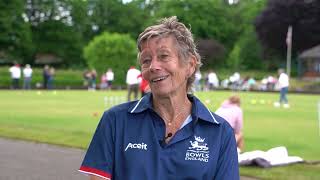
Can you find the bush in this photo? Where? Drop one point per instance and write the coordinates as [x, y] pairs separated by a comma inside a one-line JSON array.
[[63, 79], [116, 51]]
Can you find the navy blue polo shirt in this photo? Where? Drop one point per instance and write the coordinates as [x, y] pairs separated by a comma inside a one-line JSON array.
[[128, 145]]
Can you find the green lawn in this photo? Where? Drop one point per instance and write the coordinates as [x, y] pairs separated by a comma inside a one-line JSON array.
[[69, 118]]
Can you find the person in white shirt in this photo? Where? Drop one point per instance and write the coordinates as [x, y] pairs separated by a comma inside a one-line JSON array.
[[283, 83], [197, 81], [15, 72], [213, 81], [132, 81], [27, 74], [110, 77]]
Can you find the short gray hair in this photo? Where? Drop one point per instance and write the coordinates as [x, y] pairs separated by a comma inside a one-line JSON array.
[[186, 45]]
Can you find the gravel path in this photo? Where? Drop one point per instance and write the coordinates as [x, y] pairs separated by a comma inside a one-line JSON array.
[[23, 160]]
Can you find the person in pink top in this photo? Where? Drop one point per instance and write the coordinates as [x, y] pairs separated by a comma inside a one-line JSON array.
[[231, 111]]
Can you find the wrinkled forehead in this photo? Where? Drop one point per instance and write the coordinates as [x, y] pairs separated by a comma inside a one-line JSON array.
[[159, 41], [154, 36]]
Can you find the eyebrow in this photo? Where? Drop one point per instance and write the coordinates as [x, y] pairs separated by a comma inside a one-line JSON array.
[[164, 49], [144, 53]]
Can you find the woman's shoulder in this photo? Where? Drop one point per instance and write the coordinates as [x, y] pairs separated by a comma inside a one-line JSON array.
[[119, 108]]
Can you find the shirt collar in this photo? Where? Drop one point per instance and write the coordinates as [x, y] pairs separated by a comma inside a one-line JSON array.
[[143, 104], [199, 110]]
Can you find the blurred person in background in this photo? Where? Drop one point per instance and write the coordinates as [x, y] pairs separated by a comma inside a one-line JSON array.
[[283, 84], [132, 81], [235, 80], [143, 86], [50, 80], [110, 77], [15, 72], [271, 83], [86, 78], [197, 81], [213, 81], [231, 111], [46, 76], [93, 80], [27, 77], [103, 81]]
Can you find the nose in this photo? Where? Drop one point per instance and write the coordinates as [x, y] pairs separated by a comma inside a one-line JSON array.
[[154, 65]]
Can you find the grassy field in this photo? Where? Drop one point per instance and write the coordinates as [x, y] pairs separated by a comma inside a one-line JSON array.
[[69, 118]]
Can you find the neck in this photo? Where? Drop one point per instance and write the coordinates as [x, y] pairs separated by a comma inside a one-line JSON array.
[[172, 111]]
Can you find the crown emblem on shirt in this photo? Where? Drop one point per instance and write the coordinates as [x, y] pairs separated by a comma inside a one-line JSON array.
[[199, 139]]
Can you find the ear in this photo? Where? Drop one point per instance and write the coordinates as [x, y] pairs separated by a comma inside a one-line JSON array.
[[192, 65]]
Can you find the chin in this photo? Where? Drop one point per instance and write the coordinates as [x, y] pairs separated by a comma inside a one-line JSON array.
[[160, 93]]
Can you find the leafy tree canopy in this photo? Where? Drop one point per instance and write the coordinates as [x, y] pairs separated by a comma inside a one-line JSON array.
[[246, 52], [273, 22], [59, 39], [208, 19], [15, 33]]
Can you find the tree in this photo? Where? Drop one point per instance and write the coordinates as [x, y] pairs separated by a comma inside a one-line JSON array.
[[210, 20], [54, 37], [38, 11], [55, 31], [273, 22], [111, 50], [211, 52], [246, 53], [80, 19], [114, 16], [15, 33]]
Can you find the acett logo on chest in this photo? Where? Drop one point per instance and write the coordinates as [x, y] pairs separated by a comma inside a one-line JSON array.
[[141, 146]]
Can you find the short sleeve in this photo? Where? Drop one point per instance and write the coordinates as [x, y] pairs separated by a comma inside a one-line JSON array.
[[99, 157], [228, 168]]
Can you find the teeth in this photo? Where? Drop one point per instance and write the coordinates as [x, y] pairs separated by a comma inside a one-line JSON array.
[[158, 79]]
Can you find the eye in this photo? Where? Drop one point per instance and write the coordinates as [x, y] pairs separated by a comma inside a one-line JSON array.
[[163, 56], [145, 57], [145, 60]]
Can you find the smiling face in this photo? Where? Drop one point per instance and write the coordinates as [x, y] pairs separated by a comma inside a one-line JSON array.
[[161, 67]]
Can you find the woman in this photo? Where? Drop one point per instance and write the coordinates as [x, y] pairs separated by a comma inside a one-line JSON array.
[[167, 134], [231, 111]]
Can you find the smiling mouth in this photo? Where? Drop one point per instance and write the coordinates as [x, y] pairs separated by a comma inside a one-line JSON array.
[[159, 79]]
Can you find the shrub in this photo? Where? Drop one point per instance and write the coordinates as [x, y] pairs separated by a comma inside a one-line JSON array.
[[111, 50], [63, 79]]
